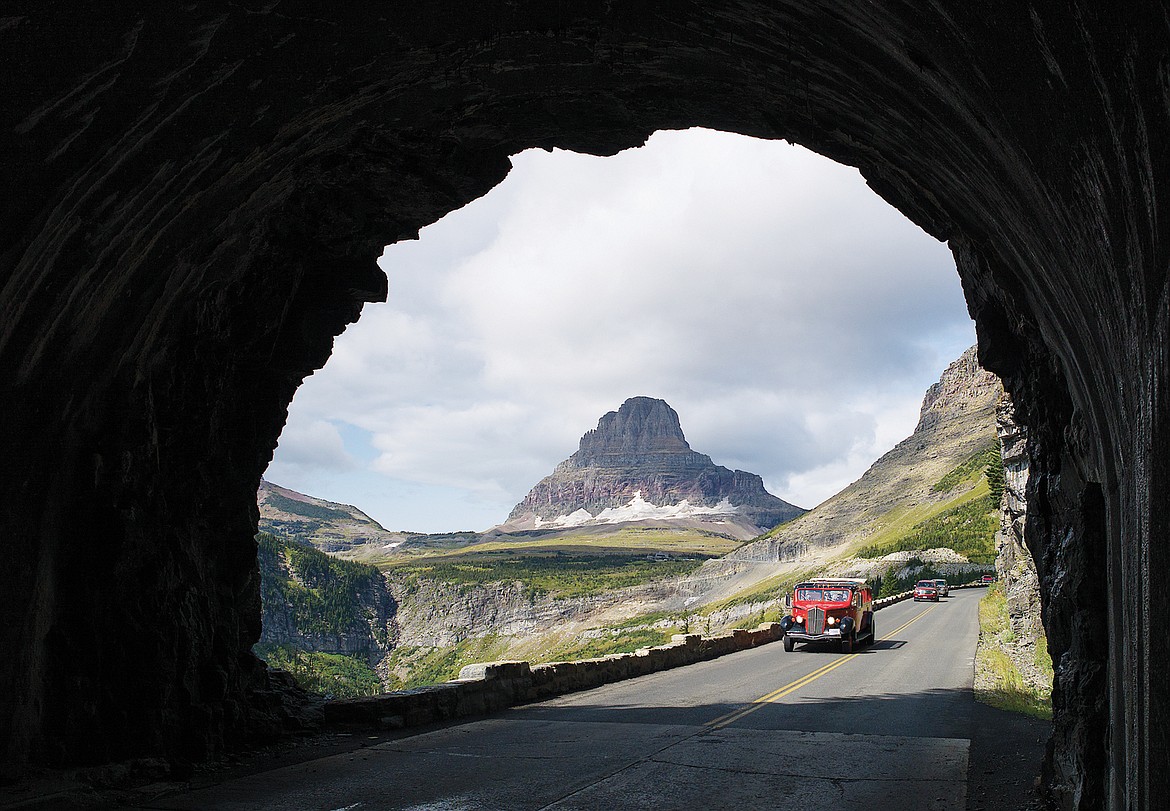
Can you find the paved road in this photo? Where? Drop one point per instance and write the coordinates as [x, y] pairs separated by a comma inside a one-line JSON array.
[[886, 727]]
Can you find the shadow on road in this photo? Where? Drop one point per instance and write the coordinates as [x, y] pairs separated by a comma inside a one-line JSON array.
[[1005, 752], [532, 754]]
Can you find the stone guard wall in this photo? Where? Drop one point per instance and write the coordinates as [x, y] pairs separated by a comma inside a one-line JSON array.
[[488, 687]]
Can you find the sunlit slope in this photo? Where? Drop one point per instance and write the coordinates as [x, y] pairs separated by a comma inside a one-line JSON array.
[[933, 470]]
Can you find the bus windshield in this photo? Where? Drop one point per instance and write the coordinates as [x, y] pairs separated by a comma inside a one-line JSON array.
[[822, 595]]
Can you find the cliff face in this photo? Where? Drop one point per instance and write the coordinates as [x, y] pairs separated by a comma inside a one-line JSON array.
[[956, 421], [964, 395], [637, 465], [319, 603], [644, 432], [1014, 564], [433, 613]]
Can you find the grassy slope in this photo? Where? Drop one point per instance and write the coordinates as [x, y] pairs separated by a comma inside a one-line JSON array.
[[966, 524], [570, 565], [999, 681], [772, 588], [901, 521], [325, 673], [631, 539], [555, 573], [649, 539]]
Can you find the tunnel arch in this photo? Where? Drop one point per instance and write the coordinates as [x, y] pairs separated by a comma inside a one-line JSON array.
[[204, 194]]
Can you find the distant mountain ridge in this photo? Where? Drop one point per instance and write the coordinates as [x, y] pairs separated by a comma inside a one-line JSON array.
[[638, 466], [327, 525]]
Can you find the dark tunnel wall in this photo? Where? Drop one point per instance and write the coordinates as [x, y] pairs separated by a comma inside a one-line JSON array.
[[196, 198]]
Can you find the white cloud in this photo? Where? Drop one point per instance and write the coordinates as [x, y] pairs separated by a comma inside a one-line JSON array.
[[789, 315], [308, 444]]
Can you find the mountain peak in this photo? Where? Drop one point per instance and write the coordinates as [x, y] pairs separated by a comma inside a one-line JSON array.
[[642, 426], [636, 465], [962, 386]]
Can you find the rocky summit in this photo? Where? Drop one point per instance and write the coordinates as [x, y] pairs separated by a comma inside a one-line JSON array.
[[637, 466]]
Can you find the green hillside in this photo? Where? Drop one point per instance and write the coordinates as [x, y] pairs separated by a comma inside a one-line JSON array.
[[967, 523], [321, 592], [968, 527], [310, 601], [567, 564], [556, 572], [325, 673]]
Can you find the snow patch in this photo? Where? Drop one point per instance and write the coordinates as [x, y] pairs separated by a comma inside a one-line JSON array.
[[638, 509], [573, 519]]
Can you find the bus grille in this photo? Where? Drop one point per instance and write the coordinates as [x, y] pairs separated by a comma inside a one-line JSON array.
[[816, 621]]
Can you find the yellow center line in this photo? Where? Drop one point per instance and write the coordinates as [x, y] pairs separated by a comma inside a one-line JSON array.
[[793, 686]]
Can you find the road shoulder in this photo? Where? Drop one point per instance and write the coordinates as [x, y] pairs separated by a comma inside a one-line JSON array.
[[1004, 760]]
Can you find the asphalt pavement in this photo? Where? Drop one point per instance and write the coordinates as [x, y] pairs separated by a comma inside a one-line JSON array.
[[888, 726]]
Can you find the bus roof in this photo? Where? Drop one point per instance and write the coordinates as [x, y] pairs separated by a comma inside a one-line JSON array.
[[833, 581]]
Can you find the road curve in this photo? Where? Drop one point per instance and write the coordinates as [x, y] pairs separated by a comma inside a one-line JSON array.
[[888, 726]]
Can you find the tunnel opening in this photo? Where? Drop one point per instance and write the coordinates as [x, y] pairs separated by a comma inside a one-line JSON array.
[[703, 266], [204, 198], [791, 317]]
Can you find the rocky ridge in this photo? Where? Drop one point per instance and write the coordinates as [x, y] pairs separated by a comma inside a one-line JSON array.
[[638, 466], [327, 525], [956, 421], [433, 613]]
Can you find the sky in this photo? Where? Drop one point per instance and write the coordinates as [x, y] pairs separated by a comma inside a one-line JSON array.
[[790, 316]]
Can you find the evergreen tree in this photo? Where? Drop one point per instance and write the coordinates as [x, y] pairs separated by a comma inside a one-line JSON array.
[[995, 479]]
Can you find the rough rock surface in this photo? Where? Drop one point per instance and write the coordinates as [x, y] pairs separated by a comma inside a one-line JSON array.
[[956, 421], [197, 196], [637, 460], [1014, 565], [434, 613]]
